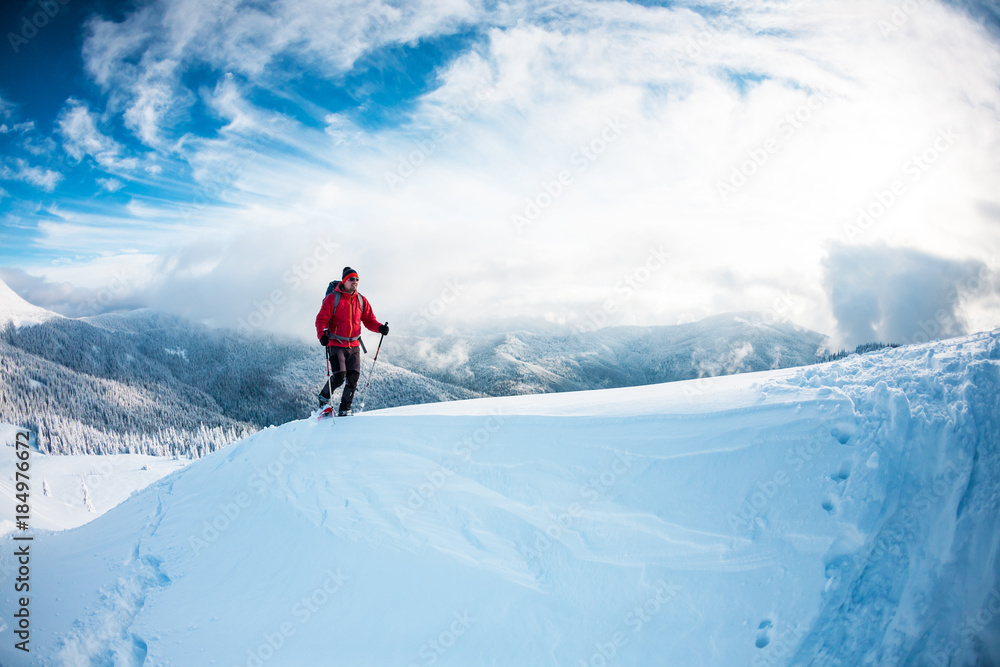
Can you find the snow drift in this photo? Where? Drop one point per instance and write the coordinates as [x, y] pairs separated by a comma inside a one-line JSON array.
[[842, 514]]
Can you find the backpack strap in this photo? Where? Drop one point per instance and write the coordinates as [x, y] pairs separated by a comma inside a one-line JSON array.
[[336, 302], [333, 287]]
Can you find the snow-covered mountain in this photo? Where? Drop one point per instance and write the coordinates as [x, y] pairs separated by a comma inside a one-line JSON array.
[[17, 312], [530, 363], [147, 382], [838, 514]]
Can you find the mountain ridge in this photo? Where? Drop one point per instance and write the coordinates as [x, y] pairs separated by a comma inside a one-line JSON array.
[[119, 382]]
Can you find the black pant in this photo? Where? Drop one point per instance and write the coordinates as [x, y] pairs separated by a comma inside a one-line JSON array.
[[345, 364]]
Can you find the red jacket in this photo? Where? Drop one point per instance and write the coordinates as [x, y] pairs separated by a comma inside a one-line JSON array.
[[345, 324]]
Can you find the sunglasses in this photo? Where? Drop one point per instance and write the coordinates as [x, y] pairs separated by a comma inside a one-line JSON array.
[[353, 280]]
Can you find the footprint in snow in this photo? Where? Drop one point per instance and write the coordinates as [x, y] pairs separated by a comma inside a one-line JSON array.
[[764, 633], [843, 433], [842, 474]]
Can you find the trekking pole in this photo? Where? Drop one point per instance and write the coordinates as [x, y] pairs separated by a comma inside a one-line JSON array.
[[328, 410], [364, 391]]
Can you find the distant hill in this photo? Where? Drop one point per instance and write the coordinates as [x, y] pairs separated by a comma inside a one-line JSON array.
[[528, 363], [146, 382]]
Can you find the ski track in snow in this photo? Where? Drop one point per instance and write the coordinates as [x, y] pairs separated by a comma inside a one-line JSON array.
[[842, 514]]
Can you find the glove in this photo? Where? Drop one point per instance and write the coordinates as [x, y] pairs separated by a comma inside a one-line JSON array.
[[325, 338], [384, 329]]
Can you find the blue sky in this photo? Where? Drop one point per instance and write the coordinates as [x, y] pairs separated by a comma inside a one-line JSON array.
[[506, 164]]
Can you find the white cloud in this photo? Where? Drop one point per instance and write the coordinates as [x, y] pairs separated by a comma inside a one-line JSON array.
[[341, 128], [900, 295], [6, 110], [40, 177], [110, 184], [227, 101], [828, 116], [82, 138], [155, 100], [23, 133], [139, 61]]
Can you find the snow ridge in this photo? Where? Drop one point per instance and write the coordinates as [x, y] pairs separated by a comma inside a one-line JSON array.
[[841, 514], [895, 599]]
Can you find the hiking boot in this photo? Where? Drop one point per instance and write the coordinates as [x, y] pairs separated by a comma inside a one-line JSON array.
[[346, 399]]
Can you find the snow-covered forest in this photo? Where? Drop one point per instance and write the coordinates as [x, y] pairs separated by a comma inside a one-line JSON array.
[[149, 383]]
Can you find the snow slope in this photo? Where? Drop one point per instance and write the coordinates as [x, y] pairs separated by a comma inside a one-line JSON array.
[[72, 490], [842, 514], [17, 311]]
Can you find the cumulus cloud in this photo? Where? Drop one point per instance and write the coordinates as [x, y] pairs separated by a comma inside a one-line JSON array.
[[901, 295]]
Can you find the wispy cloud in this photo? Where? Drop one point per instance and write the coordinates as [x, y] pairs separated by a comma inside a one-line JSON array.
[[110, 184], [140, 61], [40, 177], [82, 139]]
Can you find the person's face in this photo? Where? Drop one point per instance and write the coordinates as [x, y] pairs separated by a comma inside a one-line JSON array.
[[351, 284]]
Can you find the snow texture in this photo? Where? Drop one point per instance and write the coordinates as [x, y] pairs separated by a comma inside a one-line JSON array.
[[840, 514]]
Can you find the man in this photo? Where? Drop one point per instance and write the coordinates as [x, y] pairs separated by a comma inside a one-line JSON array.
[[338, 327]]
